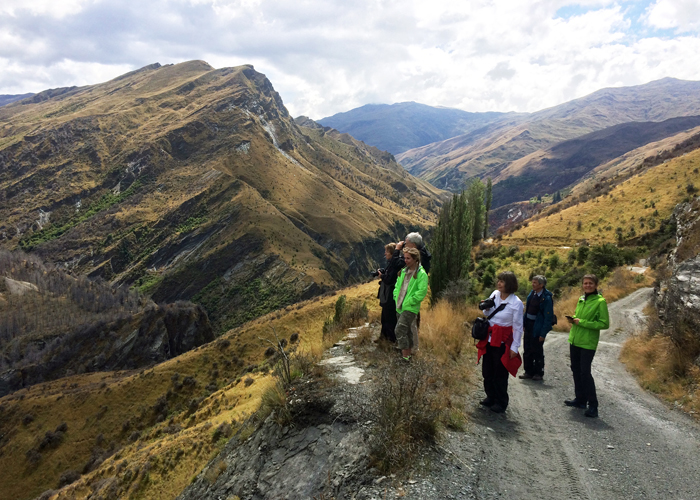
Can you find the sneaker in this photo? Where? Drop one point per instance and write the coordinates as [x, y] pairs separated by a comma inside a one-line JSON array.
[[496, 408], [486, 402], [591, 412], [537, 377], [525, 376], [406, 358], [575, 403]]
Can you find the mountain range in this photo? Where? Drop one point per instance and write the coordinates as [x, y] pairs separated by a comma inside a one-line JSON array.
[[407, 125], [191, 182], [534, 154]]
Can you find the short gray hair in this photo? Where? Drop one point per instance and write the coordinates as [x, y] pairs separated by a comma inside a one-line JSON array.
[[415, 238], [541, 279]]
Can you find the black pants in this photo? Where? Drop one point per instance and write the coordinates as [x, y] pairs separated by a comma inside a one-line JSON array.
[[584, 385], [495, 375], [389, 320], [533, 351]]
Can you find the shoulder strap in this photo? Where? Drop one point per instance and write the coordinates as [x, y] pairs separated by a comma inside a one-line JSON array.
[[498, 309]]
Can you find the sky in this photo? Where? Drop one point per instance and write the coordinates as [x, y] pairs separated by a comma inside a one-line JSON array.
[[329, 56]]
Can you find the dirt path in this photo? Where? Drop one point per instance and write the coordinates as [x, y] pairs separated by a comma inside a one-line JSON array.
[[541, 449]]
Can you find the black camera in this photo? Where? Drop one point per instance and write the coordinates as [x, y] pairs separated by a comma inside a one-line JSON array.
[[487, 304], [374, 274]]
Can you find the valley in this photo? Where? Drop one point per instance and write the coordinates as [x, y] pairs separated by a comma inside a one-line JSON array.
[[172, 238]]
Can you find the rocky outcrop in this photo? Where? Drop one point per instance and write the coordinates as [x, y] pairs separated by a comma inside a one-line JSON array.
[[678, 296], [133, 341]]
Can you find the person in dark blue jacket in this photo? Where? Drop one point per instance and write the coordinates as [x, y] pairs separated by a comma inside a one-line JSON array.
[[537, 322]]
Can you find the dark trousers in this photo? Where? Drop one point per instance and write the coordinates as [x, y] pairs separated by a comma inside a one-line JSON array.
[[389, 320], [533, 351], [584, 385], [495, 375]]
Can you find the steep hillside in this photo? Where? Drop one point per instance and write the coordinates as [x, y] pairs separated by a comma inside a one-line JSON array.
[[146, 434], [566, 163], [53, 324], [624, 213], [489, 151], [406, 125], [195, 183]]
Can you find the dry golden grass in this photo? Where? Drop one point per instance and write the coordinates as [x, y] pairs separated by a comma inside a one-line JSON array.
[[443, 334], [662, 368], [651, 195], [173, 459]]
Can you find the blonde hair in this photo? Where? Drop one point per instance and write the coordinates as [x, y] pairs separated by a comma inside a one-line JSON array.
[[413, 252], [390, 247]]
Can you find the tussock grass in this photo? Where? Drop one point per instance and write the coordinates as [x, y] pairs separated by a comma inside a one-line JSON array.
[[175, 456], [639, 203], [664, 367], [413, 401]]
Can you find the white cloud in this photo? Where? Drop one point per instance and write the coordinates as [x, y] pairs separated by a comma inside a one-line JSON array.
[[681, 15], [326, 56]]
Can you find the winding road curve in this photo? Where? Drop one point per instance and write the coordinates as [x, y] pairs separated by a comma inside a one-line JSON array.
[[541, 449]]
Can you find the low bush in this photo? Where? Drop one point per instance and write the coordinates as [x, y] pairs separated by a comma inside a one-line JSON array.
[[407, 406]]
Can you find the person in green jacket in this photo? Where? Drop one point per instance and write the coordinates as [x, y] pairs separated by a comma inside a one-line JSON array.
[[410, 290], [590, 318]]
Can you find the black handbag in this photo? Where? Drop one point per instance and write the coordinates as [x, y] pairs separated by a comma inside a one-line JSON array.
[[480, 327]]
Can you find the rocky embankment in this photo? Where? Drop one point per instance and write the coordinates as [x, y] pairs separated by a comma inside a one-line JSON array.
[[678, 296]]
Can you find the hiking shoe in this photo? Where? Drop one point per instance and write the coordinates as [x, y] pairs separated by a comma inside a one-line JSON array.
[[486, 402], [591, 412], [525, 376], [496, 408], [575, 403], [406, 358], [537, 377]]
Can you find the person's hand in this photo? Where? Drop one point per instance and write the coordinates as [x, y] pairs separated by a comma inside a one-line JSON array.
[[381, 274], [399, 245], [512, 354], [576, 320], [541, 339]]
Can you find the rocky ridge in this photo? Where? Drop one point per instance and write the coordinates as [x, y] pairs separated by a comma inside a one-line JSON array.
[[678, 296]]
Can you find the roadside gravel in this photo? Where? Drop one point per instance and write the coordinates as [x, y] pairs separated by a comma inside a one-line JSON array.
[[540, 449]]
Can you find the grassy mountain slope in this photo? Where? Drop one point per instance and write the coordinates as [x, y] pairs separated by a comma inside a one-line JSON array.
[[626, 212], [488, 151], [195, 183], [564, 164], [399, 127], [146, 434]]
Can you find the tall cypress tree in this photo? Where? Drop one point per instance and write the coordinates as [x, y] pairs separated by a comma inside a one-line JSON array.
[[487, 203], [451, 244], [475, 200]]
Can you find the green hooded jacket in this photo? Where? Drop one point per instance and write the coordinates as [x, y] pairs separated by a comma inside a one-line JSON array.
[[592, 313], [417, 290]]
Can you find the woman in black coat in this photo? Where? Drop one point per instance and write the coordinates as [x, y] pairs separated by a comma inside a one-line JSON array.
[[386, 290]]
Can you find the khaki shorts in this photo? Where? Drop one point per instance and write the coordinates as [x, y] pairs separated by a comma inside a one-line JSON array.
[[407, 330]]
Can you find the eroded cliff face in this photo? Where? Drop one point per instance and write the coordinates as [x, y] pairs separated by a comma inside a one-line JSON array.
[[678, 296], [158, 333]]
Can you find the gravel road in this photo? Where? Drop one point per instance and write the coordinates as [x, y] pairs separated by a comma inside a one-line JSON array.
[[540, 449], [637, 448]]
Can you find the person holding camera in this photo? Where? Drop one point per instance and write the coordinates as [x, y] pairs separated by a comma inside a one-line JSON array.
[[410, 290], [539, 315], [500, 349], [388, 278], [591, 316]]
